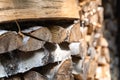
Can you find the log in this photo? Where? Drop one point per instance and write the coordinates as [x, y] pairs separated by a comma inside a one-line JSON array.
[[33, 75], [9, 41], [78, 49], [92, 70], [64, 71], [39, 9], [35, 38], [75, 33], [58, 34], [20, 62]]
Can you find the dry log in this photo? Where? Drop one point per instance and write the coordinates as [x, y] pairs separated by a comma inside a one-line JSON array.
[[102, 42], [92, 70], [9, 41], [78, 77], [58, 34], [39, 9], [35, 38], [106, 54], [32, 75], [75, 33], [79, 49], [64, 71], [20, 62], [100, 15], [103, 73], [57, 53], [102, 60]]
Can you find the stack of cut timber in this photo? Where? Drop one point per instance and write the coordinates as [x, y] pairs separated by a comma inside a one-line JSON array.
[[71, 46]]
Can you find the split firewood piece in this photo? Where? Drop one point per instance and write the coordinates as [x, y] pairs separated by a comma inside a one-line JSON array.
[[106, 54], [94, 18], [78, 76], [89, 6], [100, 11], [33, 75], [102, 42], [79, 49], [35, 38], [39, 9], [32, 59], [89, 39], [98, 52], [19, 62], [99, 2], [58, 34], [78, 68], [57, 52], [9, 41], [92, 70], [83, 2], [102, 60], [75, 33], [91, 52], [64, 71], [103, 73], [91, 29]]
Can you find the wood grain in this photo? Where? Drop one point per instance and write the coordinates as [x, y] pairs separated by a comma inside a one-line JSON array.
[[37, 9]]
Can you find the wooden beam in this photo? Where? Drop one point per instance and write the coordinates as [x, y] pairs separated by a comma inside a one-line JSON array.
[[38, 9]]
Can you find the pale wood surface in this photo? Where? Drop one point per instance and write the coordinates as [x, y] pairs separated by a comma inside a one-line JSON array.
[[37, 9]]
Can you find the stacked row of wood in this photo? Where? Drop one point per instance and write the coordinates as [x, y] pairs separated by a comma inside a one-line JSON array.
[[70, 47], [110, 32]]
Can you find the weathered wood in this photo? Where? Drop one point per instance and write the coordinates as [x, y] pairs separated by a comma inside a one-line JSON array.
[[39, 9], [32, 75], [78, 49], [78, 76], [64, 71], [20, 62], [102, 42], [9, 41], [75, 33], [57, 53], [92, 70], [35, 38], [58, 34], [106, 54]]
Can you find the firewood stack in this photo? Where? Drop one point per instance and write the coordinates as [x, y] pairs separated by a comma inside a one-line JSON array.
[[53, 40]]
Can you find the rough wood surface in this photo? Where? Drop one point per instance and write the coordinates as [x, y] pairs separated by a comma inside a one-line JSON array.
[[37, 9], [35, 38], [72, 51], [9, 41], [32, 75], [64, 71]]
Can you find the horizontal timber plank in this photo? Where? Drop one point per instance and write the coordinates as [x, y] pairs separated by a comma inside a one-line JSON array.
[[37, 9]]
